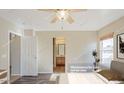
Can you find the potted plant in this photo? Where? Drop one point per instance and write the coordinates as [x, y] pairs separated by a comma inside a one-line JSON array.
[[97, 60]]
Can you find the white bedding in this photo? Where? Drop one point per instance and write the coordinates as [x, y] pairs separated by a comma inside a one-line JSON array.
[[85, 78], [80, 78]]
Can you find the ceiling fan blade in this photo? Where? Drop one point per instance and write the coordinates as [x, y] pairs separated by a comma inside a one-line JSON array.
[[77, 10], [47, 10], [70, 19], [54, 19]]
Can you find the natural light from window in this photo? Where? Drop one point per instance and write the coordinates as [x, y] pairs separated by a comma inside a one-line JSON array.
[[106, 52]]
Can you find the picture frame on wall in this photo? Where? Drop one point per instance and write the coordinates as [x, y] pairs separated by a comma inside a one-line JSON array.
[[120, 45]]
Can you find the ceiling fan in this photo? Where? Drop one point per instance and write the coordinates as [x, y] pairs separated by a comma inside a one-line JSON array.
[[62, 14]]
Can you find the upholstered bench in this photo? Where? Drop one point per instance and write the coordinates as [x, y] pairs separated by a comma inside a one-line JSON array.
[[115, 74]]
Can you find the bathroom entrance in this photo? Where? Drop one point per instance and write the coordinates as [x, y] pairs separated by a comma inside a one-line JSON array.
[[59, 55]]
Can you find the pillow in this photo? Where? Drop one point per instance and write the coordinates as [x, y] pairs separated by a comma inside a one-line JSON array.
[[110, 75]]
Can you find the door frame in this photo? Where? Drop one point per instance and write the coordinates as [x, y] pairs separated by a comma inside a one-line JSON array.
[[8, 64], [53, 42]]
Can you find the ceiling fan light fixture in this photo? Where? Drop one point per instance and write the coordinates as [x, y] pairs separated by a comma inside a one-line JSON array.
[[62, 14]]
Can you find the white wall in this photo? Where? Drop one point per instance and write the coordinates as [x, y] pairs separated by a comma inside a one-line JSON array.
[[79, 47], [117, 27], [5, 27]]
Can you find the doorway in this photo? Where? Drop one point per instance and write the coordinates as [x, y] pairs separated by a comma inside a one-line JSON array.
[[59, 55], [15, 54]]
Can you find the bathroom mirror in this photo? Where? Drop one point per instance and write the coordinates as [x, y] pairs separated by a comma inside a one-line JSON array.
[[61, 49]]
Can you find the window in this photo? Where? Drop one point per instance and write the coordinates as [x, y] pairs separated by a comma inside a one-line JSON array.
[[106, 52]]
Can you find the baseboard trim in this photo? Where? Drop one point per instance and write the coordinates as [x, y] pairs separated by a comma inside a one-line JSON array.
[[45, 72]]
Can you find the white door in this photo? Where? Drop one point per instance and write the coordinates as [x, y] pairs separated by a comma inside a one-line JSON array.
[[29, 56]]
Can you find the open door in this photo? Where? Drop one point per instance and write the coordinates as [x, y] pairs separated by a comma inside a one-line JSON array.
[[59, 55], [15, 56]]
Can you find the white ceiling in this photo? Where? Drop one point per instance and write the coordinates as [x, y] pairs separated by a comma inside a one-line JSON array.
[[90, 20]]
